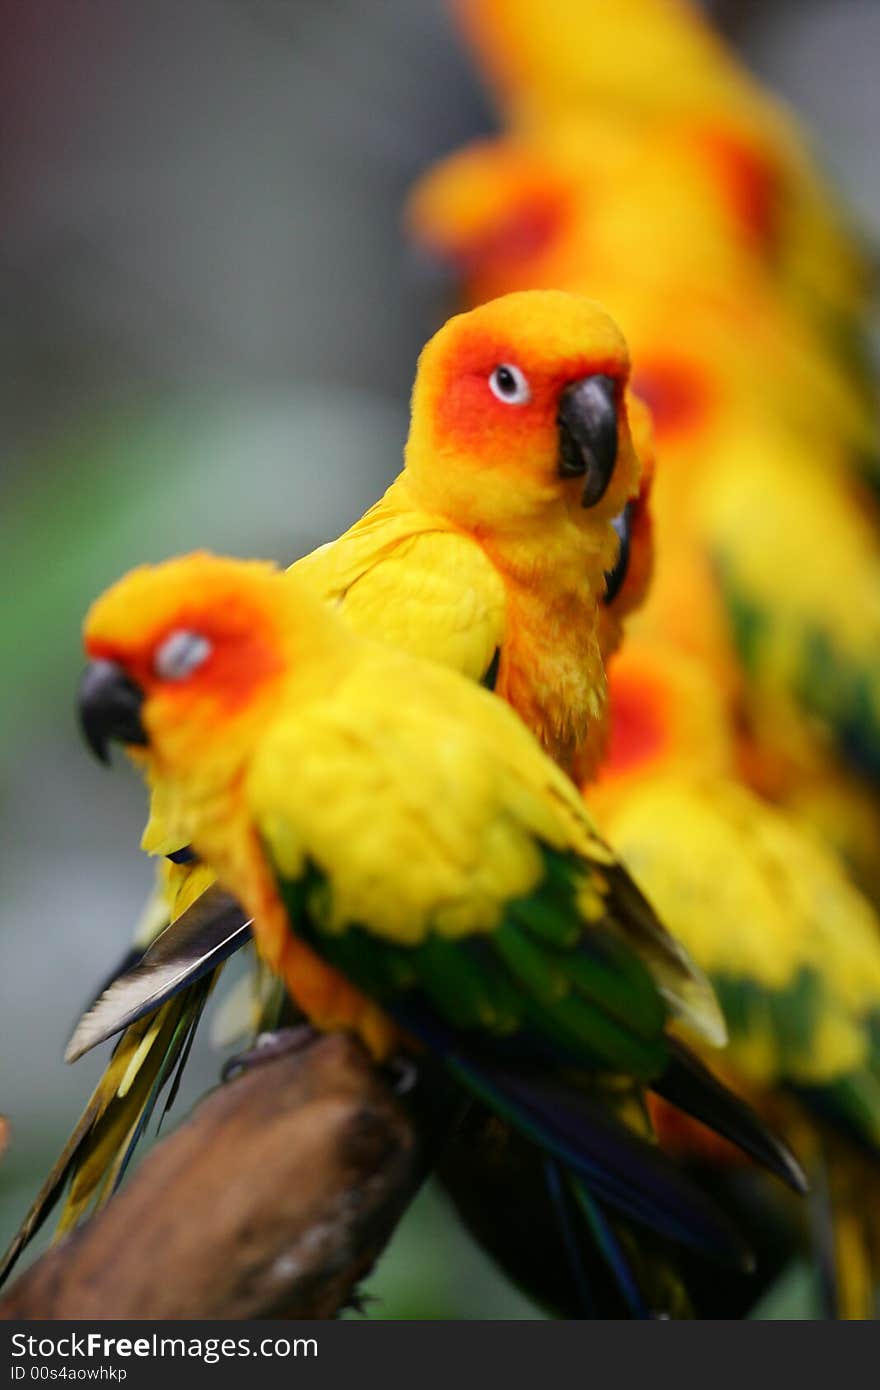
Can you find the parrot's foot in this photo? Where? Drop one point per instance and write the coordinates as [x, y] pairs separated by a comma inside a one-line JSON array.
[[404, 1074], [359, 1302], [269, 1046]]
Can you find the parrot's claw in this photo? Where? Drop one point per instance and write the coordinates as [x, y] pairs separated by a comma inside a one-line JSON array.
[[360, 1302], [267, 1047], [404, 1075]]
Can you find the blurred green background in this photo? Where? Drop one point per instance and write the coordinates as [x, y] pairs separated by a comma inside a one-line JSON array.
[[209, 331]]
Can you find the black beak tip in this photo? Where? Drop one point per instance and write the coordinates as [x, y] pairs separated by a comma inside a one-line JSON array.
[[99, 746], [109, 709]]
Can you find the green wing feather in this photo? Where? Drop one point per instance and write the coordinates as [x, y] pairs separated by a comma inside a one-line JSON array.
[[577, 987], [791, 1020], [832, 683], [807, 635]]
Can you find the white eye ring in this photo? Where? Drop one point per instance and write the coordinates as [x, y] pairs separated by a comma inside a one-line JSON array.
[[509, 384], [180, 654]]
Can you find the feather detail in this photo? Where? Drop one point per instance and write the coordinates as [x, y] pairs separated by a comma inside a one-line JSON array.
[[690, 1086], [190, 947]]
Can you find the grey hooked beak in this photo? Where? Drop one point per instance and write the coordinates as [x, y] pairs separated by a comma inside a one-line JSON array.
[[109, 708], [587, 425]]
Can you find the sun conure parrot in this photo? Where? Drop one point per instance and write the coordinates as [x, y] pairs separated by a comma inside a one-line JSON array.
[[645, 62], [792, 949], [749, 413], [743, 506], [780, 909], [756, 480], [418, 872], [490, 553], [517, 212]]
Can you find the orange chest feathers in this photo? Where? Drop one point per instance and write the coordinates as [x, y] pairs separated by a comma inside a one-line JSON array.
[[551, 671]]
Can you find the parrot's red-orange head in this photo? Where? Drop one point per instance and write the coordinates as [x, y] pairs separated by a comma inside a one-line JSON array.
[[519, 416], [190, 646], [494, 212]]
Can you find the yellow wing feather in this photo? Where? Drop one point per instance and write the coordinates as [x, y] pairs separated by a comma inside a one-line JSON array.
[[431, 592], [468, 801], [465, 796], [756, 899]]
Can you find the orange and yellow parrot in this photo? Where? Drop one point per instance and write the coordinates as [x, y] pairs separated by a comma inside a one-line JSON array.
[[760, 440], [490, 554], [570, 207], [793, 952], [655, 64], [418, 872], [672, 189], [791, 947]]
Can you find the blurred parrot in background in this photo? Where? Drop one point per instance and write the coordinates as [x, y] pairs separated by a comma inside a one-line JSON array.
[[791, 946], [569, 207], [642, 165], [490, 553], [654, 64], [417, 870], [793, 951]]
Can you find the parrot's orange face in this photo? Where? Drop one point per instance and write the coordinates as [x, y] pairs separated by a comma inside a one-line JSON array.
[[188, 644], [520, 413], [493, 211]]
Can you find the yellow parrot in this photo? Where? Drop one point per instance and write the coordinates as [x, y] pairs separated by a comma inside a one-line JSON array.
[[490, 553], [792, 948], [646, 62], [758, 447], [570, 208], [641, 165], [418, 872]]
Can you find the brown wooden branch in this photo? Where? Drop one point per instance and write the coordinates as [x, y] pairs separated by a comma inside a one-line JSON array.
[[273, 1200]]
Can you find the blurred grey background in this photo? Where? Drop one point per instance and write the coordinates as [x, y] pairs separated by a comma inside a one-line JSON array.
[[208, 332]]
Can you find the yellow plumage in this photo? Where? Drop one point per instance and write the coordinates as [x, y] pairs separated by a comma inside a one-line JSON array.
[[679, 193], [641, 163], [755, 898], [469, 804], [416, 819], [649, 62], [792, 948], [457, 829], [479, 557], [478, 548], [412, 580]]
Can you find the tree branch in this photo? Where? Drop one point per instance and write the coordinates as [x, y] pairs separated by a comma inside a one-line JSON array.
[[273, 1200]]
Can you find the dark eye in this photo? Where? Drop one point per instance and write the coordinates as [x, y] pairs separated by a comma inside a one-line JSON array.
[[615, 578], [180, 654], [510, 385]]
